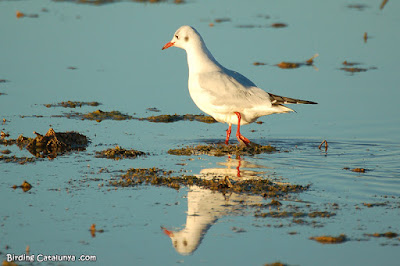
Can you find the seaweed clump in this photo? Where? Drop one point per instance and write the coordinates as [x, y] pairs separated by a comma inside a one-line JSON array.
[[25, 186], [330, 239], [176, 117], [100, 115], [277, 263], [286, 214], [159, 177], [55, 143], [387, 235], [289, 65], [15, 159], [72, 104], [221, 150], [351, 67], [119, 153], [102, 2], [21, 141]]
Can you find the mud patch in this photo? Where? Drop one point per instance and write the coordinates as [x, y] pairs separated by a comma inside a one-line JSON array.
[[158, 177], [222, 150], [72, 104], [56, 143], [330, 239], [118, 153]]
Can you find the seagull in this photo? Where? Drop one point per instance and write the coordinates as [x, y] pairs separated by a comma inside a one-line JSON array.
[[226, 95]]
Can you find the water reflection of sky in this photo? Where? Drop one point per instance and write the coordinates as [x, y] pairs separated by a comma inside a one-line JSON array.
[[116, 50]]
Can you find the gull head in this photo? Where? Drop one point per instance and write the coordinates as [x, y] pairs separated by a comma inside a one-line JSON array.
[[185, 37]]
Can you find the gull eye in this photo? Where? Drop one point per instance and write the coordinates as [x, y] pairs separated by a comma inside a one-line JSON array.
[[176, 36]]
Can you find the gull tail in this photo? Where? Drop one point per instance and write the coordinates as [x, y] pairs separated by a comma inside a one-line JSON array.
[[276, 99]]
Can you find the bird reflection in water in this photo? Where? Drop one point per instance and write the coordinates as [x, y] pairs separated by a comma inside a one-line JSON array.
[[205, 206]]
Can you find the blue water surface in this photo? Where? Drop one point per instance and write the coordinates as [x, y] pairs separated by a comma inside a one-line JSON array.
[[112, 54]]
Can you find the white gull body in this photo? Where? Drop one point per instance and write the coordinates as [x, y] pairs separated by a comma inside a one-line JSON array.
[[224, 94]]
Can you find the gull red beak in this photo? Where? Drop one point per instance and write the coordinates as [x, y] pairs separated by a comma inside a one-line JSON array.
[[167, 45], [167, 232]]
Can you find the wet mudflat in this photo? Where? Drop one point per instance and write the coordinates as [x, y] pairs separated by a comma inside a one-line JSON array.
[[102, 151]]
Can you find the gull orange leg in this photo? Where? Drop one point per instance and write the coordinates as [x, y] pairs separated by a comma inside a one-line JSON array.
[[239, 136], [228, 134], [238, 167]]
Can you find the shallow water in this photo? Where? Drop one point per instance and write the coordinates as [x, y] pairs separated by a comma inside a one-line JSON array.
[[116, 52]]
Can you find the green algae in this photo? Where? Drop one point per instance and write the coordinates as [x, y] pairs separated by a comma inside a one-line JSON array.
[[119, 153], [222, 150]]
